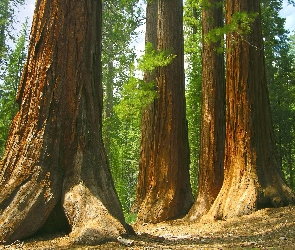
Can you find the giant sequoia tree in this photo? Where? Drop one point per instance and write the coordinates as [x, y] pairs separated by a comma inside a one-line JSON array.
[[147, 114], [166, 155], [213, 113], [54, 153], [252, 177]]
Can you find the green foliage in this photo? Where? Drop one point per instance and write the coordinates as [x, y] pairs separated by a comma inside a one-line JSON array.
[[11, 64], [9, 85], [240, 23], [153, 58], [193, 49], [292, 47], [136, 94], [123, 154], [280, 62], [7, 8], [121, 136], [135, 97], [120, 21], [130, 218]]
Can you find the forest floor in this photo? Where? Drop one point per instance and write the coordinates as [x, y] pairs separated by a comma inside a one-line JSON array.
[[272, 228]]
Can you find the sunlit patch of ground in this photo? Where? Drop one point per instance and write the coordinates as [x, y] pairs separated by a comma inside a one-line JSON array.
[[265, 229]]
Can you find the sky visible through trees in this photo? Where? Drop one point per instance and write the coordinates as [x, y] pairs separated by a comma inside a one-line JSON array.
[[288, 12]]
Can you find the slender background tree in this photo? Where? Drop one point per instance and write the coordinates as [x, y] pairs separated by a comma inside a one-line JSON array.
[[121, 134]]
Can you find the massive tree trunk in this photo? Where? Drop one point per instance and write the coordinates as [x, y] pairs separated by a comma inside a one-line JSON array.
[[252, 178], [147, 119], [55, 154], [108, 104], [168, 193], [213, 114]]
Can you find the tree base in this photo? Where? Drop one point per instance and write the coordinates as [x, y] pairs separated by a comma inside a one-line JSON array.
[[245, 196]]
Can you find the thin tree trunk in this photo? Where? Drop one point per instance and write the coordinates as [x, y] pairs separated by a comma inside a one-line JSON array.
[[55, 151], [169, 193], [252, 178], [213, 114]]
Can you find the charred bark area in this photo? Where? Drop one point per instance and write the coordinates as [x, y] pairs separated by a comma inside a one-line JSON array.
[[169, 193], [55, 152], [56, 222], [213, 114], [253, 179]]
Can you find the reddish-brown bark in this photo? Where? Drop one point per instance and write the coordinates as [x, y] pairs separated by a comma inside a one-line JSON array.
[[168, 193], [147, 120], [213, 114], [55, 152], [252, 178]]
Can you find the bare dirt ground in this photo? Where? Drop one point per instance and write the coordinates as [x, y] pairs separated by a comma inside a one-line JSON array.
[[265, 229]]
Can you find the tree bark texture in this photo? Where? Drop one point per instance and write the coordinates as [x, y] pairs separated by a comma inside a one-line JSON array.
[[213, 114], [108, 103], [55, 151], [147, 119], [168, 193], [252, 178]]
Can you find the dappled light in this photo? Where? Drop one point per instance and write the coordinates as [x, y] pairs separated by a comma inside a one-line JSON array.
[[188, 144]]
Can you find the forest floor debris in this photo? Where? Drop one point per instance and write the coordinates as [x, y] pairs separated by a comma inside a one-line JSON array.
[[270, 228]]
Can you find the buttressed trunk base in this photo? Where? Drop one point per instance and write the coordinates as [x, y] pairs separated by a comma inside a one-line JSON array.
[[165, 172], [252, 177], [212, 138], [55, 152]]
